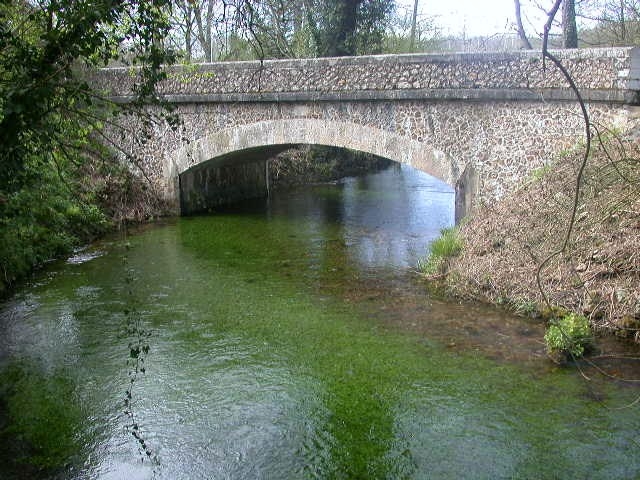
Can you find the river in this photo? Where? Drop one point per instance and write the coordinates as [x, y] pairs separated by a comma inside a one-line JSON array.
[[290, 338]]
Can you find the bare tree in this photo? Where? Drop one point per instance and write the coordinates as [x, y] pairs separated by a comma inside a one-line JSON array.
[[203, 12], [184, 22], [618, 22], [524, 41]]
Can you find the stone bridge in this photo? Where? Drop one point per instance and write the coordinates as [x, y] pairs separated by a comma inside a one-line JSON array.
[[479, 122]]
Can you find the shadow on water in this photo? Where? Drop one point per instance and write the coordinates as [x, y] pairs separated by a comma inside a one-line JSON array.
[[290, 339]]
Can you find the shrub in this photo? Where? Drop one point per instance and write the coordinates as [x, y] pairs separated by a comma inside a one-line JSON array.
[[568, 335], [41, 220], [442, 249]]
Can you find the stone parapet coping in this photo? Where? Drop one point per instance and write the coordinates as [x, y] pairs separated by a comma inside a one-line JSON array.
[[411, 58], [629, 97]]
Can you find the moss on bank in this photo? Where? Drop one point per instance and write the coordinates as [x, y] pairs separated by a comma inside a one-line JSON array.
[[597, 276]]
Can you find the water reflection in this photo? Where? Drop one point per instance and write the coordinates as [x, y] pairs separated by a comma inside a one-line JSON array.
[[391, 217], [386, 220]]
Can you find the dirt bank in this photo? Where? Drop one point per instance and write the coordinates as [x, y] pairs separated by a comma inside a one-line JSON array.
[[599, 273]]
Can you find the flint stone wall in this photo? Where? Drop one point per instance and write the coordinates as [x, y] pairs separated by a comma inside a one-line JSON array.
[[482, 120], [605, 70]]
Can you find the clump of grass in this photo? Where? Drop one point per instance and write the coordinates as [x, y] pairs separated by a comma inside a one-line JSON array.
[[569, 335], [442, 250], [539, 173], [524, 307]]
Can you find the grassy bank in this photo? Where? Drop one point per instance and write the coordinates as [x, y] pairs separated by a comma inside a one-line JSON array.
[[598, 275], [54, 211]]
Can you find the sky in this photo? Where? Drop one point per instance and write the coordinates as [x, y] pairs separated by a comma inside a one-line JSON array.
[[476, 17]]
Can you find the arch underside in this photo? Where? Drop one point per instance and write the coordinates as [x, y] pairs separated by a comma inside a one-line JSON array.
[[259, 140]]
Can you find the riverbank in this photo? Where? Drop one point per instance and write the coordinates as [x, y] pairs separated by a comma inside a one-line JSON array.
[[598, 275], [56, 212]]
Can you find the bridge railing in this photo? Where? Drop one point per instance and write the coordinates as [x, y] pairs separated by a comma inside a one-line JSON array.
[[608, 74]]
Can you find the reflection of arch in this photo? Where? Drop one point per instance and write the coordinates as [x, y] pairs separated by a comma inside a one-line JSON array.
[[226, 145]]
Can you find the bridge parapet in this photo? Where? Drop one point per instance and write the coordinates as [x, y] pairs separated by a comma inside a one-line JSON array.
[[610, 74]]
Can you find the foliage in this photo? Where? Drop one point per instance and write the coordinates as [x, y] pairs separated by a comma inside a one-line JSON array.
[[525, 307], [43, 51], [442, 250], [324, 28], [350, 27], [569, 335], [278, 29], [398, 38], [211, 30], [41, 220], [243, 29], [399, 42], [51, 120]]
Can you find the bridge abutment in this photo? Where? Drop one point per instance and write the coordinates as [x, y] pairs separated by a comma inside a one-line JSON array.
[[466, 190], [204, 188]]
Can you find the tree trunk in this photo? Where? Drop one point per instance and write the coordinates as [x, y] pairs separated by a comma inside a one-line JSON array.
[[346, 20], [623, 26], [209, 54], [187, 33], [413, 25], [204, 27], [569, 28], [524, 41]]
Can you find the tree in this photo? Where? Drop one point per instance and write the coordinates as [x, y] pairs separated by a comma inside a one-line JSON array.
[[340, 30], [204, 20], [569, 27], [243, 29], [524, 41], [213, 30], [279, 28], [414, 17], [51, 120], [618, 23], [184, 22], [43, 51], [350, 27], [408, 31]]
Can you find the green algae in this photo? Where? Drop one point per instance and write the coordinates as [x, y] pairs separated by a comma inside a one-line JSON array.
[[261, 367]]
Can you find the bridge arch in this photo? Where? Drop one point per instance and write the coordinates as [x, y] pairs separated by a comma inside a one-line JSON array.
[[252, 142], [224, 146]]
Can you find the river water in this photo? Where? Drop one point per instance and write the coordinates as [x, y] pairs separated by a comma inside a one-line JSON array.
[[291, 339]]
